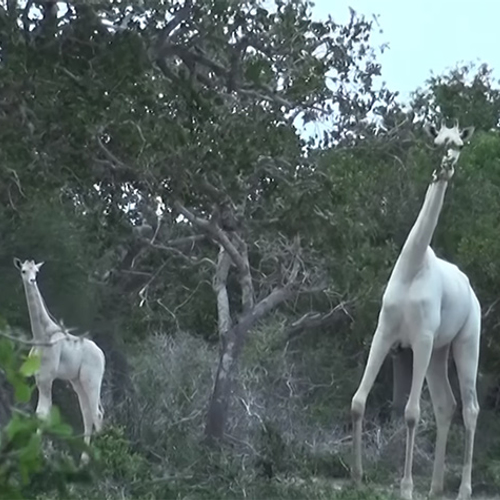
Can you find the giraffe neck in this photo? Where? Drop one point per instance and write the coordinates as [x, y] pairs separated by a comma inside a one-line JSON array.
[[42, 323], [412, 255]]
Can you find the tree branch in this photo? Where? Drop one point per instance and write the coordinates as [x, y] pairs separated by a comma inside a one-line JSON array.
[[313, 320], [220, 288], [247, 291], [48, 343], [181, 15], [217, 234], [180, 242]]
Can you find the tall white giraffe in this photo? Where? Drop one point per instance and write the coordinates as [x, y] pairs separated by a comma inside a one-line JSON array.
[[430, 306], [63, 356]]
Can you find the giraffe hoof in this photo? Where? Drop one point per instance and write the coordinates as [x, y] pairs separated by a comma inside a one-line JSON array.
[[84, 459], [464, 493], [435, 493], [406, 490]]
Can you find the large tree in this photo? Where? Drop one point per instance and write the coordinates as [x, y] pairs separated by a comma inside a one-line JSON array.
[[111, 105]]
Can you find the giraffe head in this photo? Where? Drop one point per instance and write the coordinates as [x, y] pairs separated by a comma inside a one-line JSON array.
[[28, 270], [452, 140]]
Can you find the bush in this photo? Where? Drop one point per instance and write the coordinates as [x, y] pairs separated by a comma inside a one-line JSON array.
[[25, 467]]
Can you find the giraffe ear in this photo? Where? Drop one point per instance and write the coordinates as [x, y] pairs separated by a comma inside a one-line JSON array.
[[39, 265], [466, 133], [431, 130], [17, 263]]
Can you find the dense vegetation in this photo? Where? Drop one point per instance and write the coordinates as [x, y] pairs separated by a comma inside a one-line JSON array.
[[229, 264]]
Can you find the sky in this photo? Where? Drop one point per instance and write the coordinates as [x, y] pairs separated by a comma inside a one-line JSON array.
[[425, 37]]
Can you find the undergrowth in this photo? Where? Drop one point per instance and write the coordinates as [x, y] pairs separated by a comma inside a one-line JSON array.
[[277, 447]]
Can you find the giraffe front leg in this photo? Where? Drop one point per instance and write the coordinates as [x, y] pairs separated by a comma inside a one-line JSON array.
[[379, 349], [44, 397], [43, 407]]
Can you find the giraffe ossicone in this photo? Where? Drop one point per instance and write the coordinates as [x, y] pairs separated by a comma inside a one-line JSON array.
[[430, 306], [63, 356]]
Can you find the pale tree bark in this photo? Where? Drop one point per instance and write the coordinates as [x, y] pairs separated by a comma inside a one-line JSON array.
[[233, 251], [232, 345]]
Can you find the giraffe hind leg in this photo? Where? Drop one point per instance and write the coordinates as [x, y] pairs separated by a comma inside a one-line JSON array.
[[86, 415], [466, 355], [444, 404]]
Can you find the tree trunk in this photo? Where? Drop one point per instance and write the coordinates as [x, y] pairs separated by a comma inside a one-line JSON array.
[[232, 346], [221, 395], [233, 250], [402, 371]]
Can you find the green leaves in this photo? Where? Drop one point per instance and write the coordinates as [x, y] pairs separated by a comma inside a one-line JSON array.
[[16, 375], [6, 352], [31, 365], [21, 457], [22, 391]]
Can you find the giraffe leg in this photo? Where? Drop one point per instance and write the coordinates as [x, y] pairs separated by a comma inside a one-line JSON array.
[[378, 352], [86, 416], [466, 355], [422, 350], [44, 404], [91, 380], [44, 386], [444, 405]]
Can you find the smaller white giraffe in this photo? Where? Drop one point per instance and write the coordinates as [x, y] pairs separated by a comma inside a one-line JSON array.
[[63, 356], [430, 306]]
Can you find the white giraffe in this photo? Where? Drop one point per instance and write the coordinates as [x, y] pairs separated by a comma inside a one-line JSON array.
[[428, 305], [63, 356]]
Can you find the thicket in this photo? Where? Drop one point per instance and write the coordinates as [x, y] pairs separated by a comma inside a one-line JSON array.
[[230, 266]]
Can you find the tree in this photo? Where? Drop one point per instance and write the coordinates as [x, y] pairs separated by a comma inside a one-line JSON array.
[[111, 105]]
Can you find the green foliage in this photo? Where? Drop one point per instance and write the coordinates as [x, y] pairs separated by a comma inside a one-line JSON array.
[[24, 467], [17, 375], [116, 459], [467, 93]]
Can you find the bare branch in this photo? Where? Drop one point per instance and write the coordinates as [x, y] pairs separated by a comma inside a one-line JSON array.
[[143, 292], [181, 15], [313, 320], [217, 234], [490, 309], [159, 302], [109, 155], [48, 343], [180, 242]]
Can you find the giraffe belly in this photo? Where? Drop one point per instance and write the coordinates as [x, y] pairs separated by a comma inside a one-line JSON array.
[[70, 361]]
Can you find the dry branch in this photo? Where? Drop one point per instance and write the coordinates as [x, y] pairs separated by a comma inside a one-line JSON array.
[[218, 235], [313, 320]]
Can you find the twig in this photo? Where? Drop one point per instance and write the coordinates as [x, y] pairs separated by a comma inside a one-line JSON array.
[[180, 242], [32, 342], [169, 311], [109, 154], [491, 307], [158, 224]]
